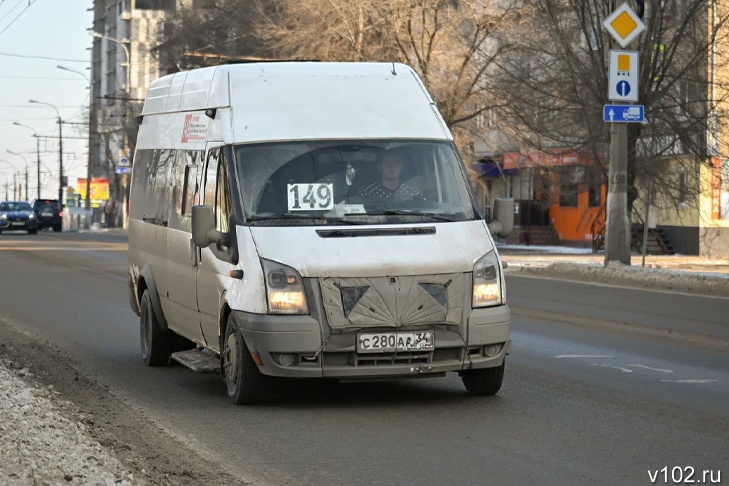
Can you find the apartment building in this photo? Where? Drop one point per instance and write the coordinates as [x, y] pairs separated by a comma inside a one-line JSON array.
[[125, 33]]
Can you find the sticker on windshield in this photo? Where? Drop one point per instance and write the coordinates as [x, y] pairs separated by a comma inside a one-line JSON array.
[[310, 197]]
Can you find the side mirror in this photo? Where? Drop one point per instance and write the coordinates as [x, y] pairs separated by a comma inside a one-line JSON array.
[[203, 227], [503, 212]]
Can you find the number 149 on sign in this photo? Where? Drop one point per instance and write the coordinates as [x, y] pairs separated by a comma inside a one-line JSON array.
[[310, 197]]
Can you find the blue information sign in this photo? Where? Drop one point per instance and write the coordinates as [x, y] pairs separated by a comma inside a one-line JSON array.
[[623, 113], [122, 170]]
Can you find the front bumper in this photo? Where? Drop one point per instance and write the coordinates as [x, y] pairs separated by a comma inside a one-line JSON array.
[[20, 225], [294, 346]]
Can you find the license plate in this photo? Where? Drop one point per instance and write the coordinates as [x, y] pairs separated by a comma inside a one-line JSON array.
[[17, 223], [47, 214], [395, 342]]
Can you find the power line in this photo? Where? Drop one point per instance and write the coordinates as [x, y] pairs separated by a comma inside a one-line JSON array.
[[11, 10], [29, 56], [30, 2], [39, 77], [38, 107]]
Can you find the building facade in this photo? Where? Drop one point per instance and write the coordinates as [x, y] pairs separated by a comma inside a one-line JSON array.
[[125, 33]]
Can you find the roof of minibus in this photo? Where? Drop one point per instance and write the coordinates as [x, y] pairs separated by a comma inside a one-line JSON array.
[[305, 100]]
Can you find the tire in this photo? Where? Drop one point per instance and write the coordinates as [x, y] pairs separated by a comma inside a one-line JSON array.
[[57, 228], [155, 342], [243, 380], [33, 232], [484, 382]]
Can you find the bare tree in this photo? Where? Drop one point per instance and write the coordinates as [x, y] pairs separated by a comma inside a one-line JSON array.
[[451, 45], [218, 31], [555, 86]]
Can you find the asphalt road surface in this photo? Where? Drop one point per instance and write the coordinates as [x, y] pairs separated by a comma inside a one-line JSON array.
[[604, 385]]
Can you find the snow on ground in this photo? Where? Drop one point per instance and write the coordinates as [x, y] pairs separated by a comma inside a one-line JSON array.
[[39, 445], [566, 250]]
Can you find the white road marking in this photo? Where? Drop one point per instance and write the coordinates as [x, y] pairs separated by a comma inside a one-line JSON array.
[[562, 356], [689, 381], [624, 370], [649, 368]]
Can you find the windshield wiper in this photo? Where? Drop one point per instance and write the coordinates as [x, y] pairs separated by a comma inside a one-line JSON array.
[[294, 216], [403, 212]]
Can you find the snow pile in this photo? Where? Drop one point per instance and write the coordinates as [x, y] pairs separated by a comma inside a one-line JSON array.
[[39, 445], [633, 276]]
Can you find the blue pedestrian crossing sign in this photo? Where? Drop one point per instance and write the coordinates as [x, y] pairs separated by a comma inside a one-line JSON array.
[[623, 113]]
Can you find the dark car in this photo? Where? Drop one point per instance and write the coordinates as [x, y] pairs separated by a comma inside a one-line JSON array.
[[18, 215], [49, 213]]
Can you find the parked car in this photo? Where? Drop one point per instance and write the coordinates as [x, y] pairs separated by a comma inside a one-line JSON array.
[[18, 215], [49, 213]]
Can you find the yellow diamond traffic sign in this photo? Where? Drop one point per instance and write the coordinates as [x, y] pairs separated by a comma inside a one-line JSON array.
[[624, 25]]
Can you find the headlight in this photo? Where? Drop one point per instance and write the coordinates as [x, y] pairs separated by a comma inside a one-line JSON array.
[[4, 216], [31, 216], [487, 289], [284, 289]]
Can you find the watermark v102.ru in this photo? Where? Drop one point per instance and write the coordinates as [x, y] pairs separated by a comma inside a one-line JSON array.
[[684, 475]]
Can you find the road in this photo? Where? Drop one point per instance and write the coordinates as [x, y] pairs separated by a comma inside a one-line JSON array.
[[603, 385]]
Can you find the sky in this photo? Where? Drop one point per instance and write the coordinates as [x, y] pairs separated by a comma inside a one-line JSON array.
[[58, 29]]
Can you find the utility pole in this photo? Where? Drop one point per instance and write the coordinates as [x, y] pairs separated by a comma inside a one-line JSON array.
[[623, 79], [617, 243], [37, 153], [60, 148]]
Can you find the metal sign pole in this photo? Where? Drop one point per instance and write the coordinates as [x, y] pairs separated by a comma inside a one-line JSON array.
[[623, 79]]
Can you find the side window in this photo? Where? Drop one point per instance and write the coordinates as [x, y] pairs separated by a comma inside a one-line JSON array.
[[216, 189], [141, 184], [157, 208], [185, 186], [222, 198]]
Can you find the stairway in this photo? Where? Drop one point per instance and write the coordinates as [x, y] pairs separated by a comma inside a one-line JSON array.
[[657, 243], [543, 236]]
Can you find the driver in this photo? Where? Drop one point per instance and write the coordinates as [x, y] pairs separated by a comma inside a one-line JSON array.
[[390, 166]]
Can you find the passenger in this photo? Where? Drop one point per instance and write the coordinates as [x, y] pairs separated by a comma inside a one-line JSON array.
[[390, 166]]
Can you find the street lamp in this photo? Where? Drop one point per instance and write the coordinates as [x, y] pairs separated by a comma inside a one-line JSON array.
[[126, 54], [60, 148], [20, 196], [15, 186], [6, 186], [88, 164], [37, 151], [64, 68], [129, 93]]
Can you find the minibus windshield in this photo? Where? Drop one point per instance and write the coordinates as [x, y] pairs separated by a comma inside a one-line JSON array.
[[352, 182]]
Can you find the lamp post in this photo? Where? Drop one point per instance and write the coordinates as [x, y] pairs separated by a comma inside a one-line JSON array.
[[15, 187], [6, 186], [128, 80], [26, 172], [64, 68], [37, 151], [60, 148], [92, 113], [128, 88]]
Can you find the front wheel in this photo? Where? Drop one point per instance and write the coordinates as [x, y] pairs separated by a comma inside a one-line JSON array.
[[484, 382], [155, 341], [243, 380]]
